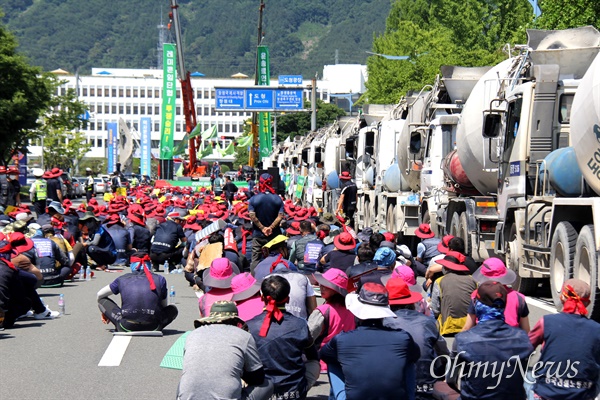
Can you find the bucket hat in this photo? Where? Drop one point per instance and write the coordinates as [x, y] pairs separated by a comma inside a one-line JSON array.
[[365, 234], [493, 269], [442, 246], [57, 207], [220, 311], [372, 302], [345, 175], [400, 293], [294, 228], [19, 242], [492, 293], [334, 279], [454, 261], [276, 241], [244, 286], [219, 274], [344, 241], [424, 231], [385, 256], [328, 218], [88, 215]]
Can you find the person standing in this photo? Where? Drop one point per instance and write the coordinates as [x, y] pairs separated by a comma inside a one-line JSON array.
[[115, 182], [230, 189], [347, 201], [14, 198], [89, 185], [4, 188], [54, 188], [38, 192], [221, 340], [266, 212], [387, 356], [144, 301]]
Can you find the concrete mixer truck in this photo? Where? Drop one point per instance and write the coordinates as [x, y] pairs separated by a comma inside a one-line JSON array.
[[528, 145]]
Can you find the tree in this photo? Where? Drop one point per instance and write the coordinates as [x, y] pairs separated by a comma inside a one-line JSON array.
[[25, 94], [563, 14], [441, 32], [298, 123], [64, 144]]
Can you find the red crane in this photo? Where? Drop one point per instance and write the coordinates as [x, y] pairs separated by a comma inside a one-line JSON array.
[[187, 93]]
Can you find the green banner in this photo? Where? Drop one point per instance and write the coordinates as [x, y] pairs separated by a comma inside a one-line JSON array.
[[169, 96], [265, 140], [300, 186]]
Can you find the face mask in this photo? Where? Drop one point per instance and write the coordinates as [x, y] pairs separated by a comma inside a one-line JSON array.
[[12, 177]]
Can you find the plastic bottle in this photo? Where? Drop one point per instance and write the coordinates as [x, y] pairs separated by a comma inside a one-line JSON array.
[[81, 273], [172, 295], [88, 273], [61, 304], [166, 266]]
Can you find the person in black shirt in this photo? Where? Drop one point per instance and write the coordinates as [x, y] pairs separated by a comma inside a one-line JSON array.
[[347, 201], [53, 186], [230, 189], [167, 236]]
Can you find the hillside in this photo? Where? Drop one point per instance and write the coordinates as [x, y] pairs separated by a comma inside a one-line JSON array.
[[219, 35]]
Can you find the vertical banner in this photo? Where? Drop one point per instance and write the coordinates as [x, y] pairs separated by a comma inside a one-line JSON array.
[[300, 186], [169, 95], [264, 118], [145, 142], [112, 147]]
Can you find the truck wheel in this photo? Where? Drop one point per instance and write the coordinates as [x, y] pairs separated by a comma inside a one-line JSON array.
[[526, 286], [391, 219], [455, 225], [463, 232], [561, 258], [585, 267]]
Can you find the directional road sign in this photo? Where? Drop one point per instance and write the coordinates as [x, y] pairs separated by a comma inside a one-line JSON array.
[[259, 99], [290, 79]]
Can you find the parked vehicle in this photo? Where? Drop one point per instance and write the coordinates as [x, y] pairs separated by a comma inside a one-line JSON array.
[[100, 186], [78, 187], [68, 190]]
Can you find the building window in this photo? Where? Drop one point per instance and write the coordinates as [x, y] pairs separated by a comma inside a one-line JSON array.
[[127, 109], [156, 129], [135, 92], [142, 109], [92, 91], [114, 109], [106, 92], [135, 109], [178, 127], [135, 126], [154, 144], [149, 110], [121, 110], [178, 93], [127, 92], [212, 94], [92, 107], [142, 92], [156, 110], [92, 126], [84, 91], [234, 128], [213, 111], [205, 111], [177, 110], [120, 92], [114, 92], [156, 93]]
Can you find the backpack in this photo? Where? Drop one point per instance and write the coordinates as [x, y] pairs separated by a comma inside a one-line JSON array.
[[115, 181]]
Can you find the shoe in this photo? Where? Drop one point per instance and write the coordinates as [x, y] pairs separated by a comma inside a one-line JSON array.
[[47, 314], [28, 314]]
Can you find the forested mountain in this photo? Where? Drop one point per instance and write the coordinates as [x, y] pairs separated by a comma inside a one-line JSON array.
[[219, 36]]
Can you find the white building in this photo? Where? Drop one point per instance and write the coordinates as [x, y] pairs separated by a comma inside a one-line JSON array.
[[130, 94]]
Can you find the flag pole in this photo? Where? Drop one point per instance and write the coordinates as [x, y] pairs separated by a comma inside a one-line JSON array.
[[254, 127]]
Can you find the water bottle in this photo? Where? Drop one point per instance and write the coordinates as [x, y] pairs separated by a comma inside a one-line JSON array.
[[166, 266], [81, 273], [61, 304], [88, 273], [172, 295]]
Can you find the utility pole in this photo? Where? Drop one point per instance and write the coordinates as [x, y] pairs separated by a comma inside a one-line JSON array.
[[254, 127], [313, 105]]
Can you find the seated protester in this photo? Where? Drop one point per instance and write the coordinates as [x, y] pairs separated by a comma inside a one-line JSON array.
[[95, 242], [408, 275], [423, 330], [492, 342], [221, 340], [200, 258], [144, 302], [388, 355], [246, 295], [385, 258], [451, 294], [293, 232], [426, 250], [365, 265], [331, 318], [229, 247], [516, 312], [343, 256], [54, 209], [364, 235], [243, 237], [306, 249], [375, 241], [18, 295], [217, 280], [566, 337], [121, 237], [283, 341], [48, 231], [302, 299], [165, 243], [53, 263], [323, 233], [457, 244], [24, 256], [141, 238]]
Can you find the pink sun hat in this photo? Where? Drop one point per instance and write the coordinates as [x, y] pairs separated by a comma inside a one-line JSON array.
[[334, 279], [220, 274], [493, 269], [244, 286]]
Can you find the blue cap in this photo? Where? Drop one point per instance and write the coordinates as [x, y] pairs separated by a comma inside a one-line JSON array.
[[385, 256]]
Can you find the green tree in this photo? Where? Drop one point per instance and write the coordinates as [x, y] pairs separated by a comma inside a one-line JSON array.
[[563, 14], [24, 95], [298, 123], [64, 144]]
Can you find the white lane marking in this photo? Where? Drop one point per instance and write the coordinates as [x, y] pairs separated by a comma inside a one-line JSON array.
[[541, 304], [115, 351]]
